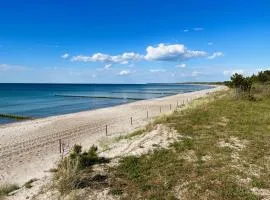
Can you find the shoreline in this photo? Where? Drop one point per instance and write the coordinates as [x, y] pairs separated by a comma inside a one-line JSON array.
[[30, 148], [110, 106]]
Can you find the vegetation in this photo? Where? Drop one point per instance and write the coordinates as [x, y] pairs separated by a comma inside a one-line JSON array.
[[222, 153], [74, 171], [5, 189], [28, 184], [245, 83]]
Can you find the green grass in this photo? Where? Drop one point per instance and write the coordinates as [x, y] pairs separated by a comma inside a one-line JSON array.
[[5, 189], [198, 166], [75, 171]]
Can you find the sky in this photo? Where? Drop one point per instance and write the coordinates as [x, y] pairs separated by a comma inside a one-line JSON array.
[[123, 41]]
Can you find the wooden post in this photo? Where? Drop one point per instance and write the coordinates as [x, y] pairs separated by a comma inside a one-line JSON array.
[[131, 120], [170, 106], [106, 129], [60, 146], [147, 114], [160, 109]]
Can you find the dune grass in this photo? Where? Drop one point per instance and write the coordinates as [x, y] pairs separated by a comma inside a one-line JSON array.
[[223, 154], [75, 171], [5, 189]]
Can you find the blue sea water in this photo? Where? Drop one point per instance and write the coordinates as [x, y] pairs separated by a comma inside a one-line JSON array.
[[42, 100]]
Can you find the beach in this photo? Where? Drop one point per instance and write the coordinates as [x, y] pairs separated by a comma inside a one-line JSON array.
[[30, 149]]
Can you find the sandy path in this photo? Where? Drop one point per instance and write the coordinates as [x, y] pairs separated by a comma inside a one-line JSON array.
[[28, 149]]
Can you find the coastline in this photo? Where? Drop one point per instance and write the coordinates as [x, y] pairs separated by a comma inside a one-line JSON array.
[[64, 103], [30, 148]]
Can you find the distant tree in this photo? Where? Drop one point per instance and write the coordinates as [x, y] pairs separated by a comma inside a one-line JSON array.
[[262, 76], [247, 84], [237, 80], [241, 82], [254, 78]]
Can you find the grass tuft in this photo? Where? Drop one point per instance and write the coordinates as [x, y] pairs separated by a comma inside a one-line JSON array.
[[5, 189]]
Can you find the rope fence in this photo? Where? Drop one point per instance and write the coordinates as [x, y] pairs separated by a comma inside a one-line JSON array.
[[138, 118], [119, 124]]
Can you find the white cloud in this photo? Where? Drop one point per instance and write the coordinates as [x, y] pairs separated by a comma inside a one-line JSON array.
[[157, 70], [100, 57], [210, 43], [173, 52], [181, 65], [65, 56], [231, 72], [107, 66], [7, 67], [215, 54], [124, 73], [195, 73], [186, 30], [161, 52], [198, 29]]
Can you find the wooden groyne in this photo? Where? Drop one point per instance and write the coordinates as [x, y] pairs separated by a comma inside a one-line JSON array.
[[12, 116], [97, 97]]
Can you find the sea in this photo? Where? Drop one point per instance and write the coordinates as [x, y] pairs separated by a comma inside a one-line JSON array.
[[43, 100]]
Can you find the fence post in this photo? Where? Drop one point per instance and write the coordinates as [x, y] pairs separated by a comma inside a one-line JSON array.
[[160, 109], [106, 129], [147, 114], [60, 146], [170, 106], [131, 120]]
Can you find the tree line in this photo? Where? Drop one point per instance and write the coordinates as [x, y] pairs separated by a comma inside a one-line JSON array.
[[245, 83]]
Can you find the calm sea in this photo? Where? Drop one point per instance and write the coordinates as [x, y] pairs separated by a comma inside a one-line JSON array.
[[42, 100]]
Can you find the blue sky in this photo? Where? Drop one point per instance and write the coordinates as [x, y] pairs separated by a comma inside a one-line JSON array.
[[132, 41]]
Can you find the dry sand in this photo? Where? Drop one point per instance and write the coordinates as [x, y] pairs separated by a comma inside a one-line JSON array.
[[29, 149]]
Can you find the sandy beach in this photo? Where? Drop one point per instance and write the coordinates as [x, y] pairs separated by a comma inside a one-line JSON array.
[[29, 149]]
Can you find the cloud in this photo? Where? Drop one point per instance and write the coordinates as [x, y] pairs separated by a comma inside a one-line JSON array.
[[210, 43], [107, 66], [7, 67], [215, 54], [185, 30], [198, 29], [65, 56], [181, 65], [124, 58], [173, 52], [231, 72], [157, 70], [195, 73], [124, 73], [160, 52]]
